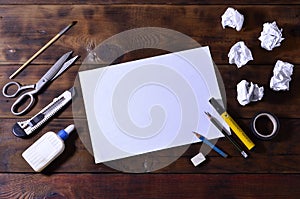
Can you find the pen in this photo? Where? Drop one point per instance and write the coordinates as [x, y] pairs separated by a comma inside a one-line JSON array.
[[232, 124], [226, 134], [211, 145], [43, 48]]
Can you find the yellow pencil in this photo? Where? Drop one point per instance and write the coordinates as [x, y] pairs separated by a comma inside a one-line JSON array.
[[232, 124]]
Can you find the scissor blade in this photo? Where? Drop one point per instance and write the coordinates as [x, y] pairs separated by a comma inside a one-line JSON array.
[[51, 72], [56, 67], [65, 67]]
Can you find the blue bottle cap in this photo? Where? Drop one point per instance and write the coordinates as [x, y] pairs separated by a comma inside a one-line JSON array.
[[64, 133]]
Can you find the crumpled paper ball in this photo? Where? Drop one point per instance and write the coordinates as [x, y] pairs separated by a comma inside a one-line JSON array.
[[248, 92], [233, 19], [281, 76], [239, 54], [271, 36]]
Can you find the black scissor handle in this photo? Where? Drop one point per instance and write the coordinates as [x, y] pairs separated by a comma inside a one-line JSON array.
[[19, 88]]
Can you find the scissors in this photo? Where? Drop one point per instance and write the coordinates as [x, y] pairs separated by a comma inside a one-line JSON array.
[[28, 98]]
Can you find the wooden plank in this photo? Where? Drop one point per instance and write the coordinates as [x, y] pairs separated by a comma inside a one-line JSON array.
[[149, 186], [24, 29], [281, 155], [284, 104], [272, 169], [173, 2]]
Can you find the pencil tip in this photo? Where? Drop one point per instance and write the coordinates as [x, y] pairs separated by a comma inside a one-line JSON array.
[[208, 114], [197, 134], [74, 22]]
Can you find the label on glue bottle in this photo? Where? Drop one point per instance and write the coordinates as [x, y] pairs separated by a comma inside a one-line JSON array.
[[41, 153]]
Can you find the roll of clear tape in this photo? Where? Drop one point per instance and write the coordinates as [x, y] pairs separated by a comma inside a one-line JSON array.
[[272, 118]]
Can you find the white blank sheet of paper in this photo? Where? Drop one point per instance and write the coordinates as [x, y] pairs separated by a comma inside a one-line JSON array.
[[150, 104]]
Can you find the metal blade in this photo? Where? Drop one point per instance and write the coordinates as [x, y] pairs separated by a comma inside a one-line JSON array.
[[65, 67], [52, 71], [57, 66]]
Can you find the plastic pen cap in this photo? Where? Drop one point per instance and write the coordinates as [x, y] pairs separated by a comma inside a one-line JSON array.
[[64, 133]]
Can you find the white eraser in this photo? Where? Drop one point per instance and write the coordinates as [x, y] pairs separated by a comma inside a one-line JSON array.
[[196, 160]]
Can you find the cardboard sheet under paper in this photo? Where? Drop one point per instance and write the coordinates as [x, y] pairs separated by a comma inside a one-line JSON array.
[[150, 104]]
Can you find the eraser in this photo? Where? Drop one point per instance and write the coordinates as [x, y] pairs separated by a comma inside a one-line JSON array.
[[196, 160]]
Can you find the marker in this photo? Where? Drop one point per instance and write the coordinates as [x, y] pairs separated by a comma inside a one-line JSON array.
[[226, 134], [232, 124], [211, 145]]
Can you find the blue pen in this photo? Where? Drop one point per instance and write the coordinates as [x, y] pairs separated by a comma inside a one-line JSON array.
[[211, 145]]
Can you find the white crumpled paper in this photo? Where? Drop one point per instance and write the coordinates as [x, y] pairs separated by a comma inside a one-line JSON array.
[[271, 36], [239, 54], [249, 92], [233, 19], [281, 76]]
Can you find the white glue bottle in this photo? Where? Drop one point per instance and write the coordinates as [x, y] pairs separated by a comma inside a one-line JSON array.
[[41, 153]]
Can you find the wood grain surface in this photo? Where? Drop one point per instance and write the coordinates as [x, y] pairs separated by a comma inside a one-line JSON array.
[[97, 23], [174, 2], [149, 186], [271, 171]]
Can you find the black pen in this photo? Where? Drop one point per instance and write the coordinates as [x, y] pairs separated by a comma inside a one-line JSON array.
[[226, 134]]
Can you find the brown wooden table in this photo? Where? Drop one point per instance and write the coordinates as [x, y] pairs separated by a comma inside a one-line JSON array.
[[271, 171]]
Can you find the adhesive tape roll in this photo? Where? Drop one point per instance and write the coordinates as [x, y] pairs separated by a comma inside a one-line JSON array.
[[258, 133]]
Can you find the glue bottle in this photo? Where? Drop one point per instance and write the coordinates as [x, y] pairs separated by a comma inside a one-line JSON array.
[[41, 153]]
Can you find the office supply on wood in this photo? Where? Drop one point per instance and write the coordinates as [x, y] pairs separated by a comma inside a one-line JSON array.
[[149, 104], [260, 127], [27, 99], [226, 134], [43, 48], [48, 147], [240, 54], [271, 36], [25, 128], [232, 124], [282, 76], [211, 145], [248, 92], [232, 18], [198, 159]]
